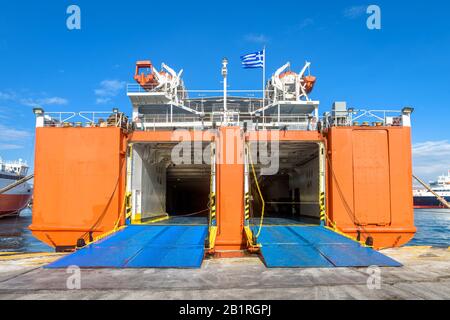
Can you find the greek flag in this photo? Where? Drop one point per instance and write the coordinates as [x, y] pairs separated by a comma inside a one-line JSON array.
[[253, 60]]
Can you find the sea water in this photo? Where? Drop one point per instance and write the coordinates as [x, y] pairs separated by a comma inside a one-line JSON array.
[[433, 229]]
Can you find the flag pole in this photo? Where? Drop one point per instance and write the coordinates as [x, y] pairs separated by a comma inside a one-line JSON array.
[[263, 86]]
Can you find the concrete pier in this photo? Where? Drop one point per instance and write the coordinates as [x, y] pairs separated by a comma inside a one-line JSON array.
[[425, 275]]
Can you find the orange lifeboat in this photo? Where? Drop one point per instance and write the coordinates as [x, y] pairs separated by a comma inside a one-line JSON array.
[[309, 82], [287, 73], [145, 79]]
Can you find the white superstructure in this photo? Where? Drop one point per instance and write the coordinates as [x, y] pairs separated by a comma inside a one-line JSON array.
[[14, 168], [14, 200], [441, 187], [12, 171]]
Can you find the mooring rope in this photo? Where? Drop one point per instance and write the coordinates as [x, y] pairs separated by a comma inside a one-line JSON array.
[[441, 199]]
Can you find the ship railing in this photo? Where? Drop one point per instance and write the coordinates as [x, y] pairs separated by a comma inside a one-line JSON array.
[[376, 115], [82, 119], [165, 118], [208, 120], [193, 93], [137, 88], [197, 99], [204, 120], [251, 100], [193, 98], [254, 97], [232, 116], [99, 117], [290, 122], [364, 117], [59, 117]]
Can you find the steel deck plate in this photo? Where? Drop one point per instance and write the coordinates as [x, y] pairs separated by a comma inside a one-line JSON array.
[[143, 246], [316, 246]]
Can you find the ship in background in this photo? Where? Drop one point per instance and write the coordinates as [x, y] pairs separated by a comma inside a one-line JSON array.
[[18, 198], [425, 199]]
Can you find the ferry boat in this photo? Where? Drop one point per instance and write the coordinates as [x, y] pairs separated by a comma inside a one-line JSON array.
[[425, 199], [223, 172], [18, 198]]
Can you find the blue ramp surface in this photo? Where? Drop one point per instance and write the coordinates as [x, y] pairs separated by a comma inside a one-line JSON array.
[[315, 247], [142, 247]]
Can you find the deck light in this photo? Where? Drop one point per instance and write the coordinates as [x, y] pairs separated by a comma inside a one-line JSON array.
[[224, 66], [38, 111], [407, 110], [115, 110], [351, 110]]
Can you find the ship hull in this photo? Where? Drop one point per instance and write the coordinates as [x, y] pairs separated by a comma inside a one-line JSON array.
[[12, 204], [428, 202], [15, 200]]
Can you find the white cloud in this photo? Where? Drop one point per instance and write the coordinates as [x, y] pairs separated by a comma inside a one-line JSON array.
[[257, 38], [102, 100], [32, 102], [10, 134], [4, 113], [28, 102], [7, 95], [8, 146], [355, 12], [431, 159], [108, 89], [52, 101], [299, 25], [11, 138], [305, 23]]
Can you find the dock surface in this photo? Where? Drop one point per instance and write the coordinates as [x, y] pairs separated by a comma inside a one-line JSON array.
[[425, 275]]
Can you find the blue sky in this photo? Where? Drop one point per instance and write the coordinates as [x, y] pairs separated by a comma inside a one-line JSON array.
[[407, 62]]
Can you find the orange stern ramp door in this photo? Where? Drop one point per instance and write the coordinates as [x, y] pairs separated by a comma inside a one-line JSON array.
[[169, 210], [288, 213]]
